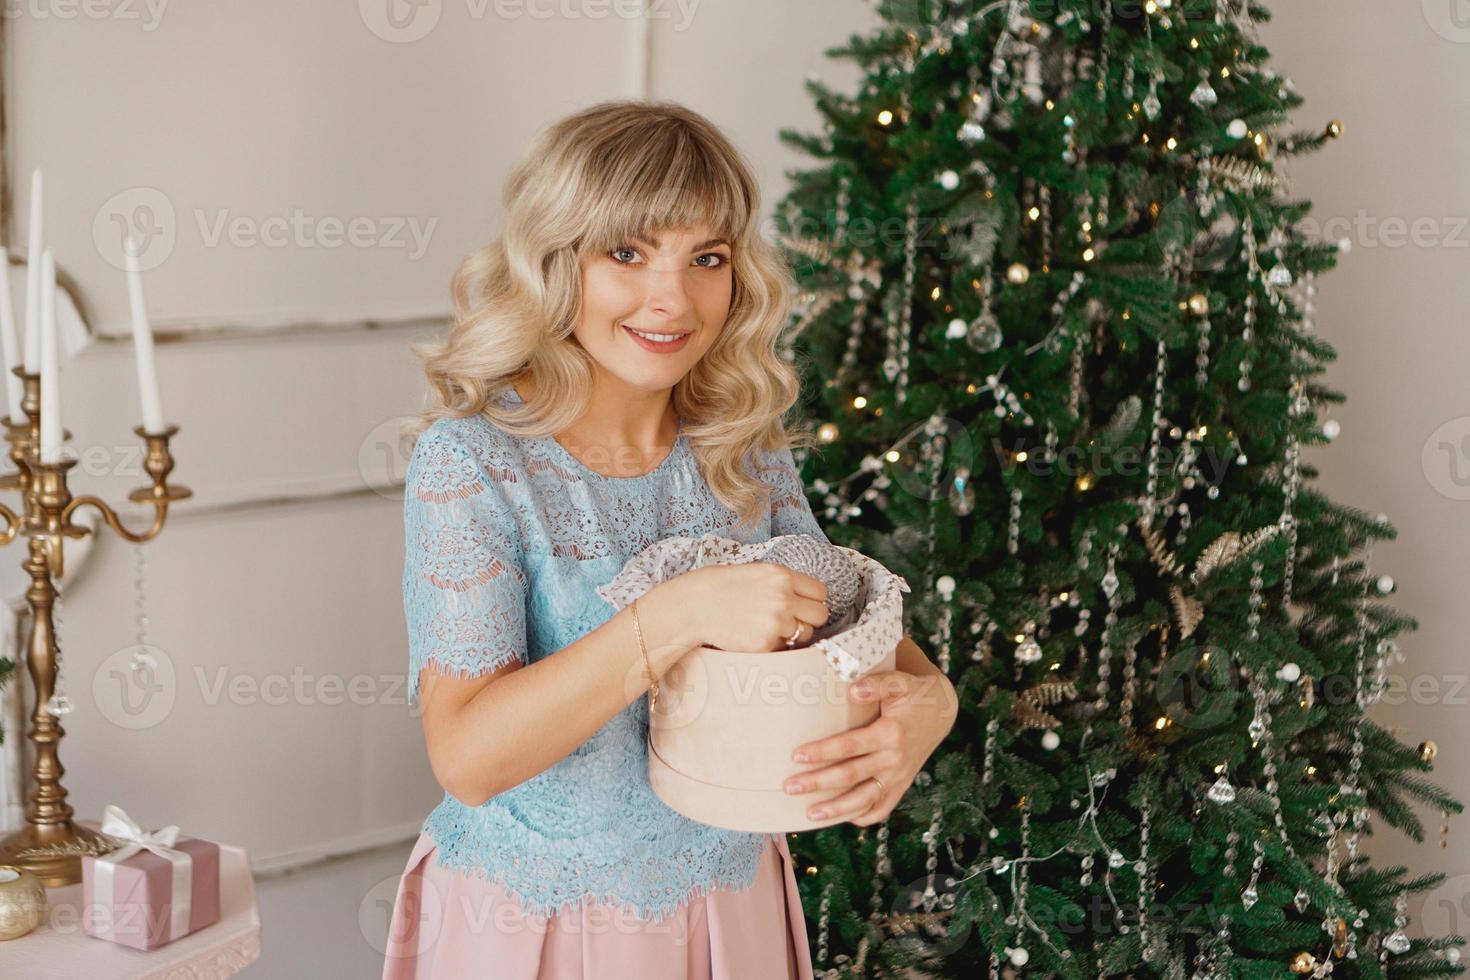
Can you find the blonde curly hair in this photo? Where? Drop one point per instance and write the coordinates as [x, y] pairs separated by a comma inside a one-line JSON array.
[[589, 183]]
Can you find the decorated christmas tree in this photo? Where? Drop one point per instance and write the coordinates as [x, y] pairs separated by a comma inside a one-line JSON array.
[[1056, 326]]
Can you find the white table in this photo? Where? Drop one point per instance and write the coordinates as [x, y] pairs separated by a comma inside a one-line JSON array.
[[59, 949]]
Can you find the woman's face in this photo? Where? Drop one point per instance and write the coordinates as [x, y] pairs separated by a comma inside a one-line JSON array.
[[678, 287]]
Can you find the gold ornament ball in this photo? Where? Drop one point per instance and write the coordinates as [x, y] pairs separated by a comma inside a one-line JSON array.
[[1428, 750], [1334, 129], [1303, 962], [1018, 273], [827, 432], [1199, 304], [22, 901]]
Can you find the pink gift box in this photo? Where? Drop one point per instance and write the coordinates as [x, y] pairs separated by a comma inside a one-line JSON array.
[[140, 911]]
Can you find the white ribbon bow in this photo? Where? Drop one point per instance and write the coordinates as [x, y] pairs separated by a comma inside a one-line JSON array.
[[116, 823]]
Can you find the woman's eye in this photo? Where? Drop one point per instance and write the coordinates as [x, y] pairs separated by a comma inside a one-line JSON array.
[[617, 251], [714, 255]]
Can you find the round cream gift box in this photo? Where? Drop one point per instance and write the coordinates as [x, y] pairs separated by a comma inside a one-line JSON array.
[[721, 736], [726, 723]]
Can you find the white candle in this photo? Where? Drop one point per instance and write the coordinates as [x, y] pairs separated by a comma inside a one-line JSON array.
[[33, 279], [143, 344], [50, 365], [8, 342]]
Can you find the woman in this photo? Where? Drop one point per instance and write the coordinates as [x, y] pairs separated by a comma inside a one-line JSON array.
[[612, 369]]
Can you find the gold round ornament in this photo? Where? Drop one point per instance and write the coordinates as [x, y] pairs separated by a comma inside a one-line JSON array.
[[1017, 274], [1199, 304], [827, 432], [1428, 750], [1334, 129], [22, 901], [1303, 962]]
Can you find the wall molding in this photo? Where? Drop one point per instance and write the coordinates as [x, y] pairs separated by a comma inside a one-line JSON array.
[[232, 332], [285, 863]]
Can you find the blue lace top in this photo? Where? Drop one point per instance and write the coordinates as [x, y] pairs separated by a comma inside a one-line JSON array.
[[505, 539]]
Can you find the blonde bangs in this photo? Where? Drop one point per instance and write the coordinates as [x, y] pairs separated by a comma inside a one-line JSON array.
[[673, 182]]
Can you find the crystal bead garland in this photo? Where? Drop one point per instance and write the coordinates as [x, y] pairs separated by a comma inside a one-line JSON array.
[[940, 638], [1053, 341], [881, 868], [984, 627], [1013, 526], [1018, 954], [931, 863], [1005, 399], [1260, 731], [142, 663], [824, 918], [1130, 676], [1104, 652], [1102, 58], [1248, 316], [1185, 517], [856, 277], [1151, 949], [944, 586], [1074, 381], [1250, 896], [1297, 407], [839, 207], [1202, 351], [1156, 426], [895, 363], [987, 772], [1044, 193], [855, 333], [58, 704], [984, 333], [1350, 789], [1396, 942]]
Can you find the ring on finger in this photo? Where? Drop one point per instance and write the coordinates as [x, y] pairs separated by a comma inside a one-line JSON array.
[[795, 636]]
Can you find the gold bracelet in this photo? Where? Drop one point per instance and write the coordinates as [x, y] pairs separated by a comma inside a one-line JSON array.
[[648, 665]]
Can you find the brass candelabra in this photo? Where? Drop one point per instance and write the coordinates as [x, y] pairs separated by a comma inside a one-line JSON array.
[[50, 845]]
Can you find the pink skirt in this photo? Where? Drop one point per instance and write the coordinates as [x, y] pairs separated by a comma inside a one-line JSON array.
[[448, 925]]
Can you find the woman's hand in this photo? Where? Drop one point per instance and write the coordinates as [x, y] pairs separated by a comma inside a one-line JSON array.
[[754, 607], [916, 712]]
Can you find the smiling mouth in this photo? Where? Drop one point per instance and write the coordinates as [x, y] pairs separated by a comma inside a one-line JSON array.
[[655, 337]]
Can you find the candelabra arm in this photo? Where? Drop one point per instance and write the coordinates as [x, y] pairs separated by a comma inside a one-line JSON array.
[[13, 523], [112, 519], [157, 463]]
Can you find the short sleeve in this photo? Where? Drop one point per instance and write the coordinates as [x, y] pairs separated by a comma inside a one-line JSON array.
[[464, 588], [791, 513]]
